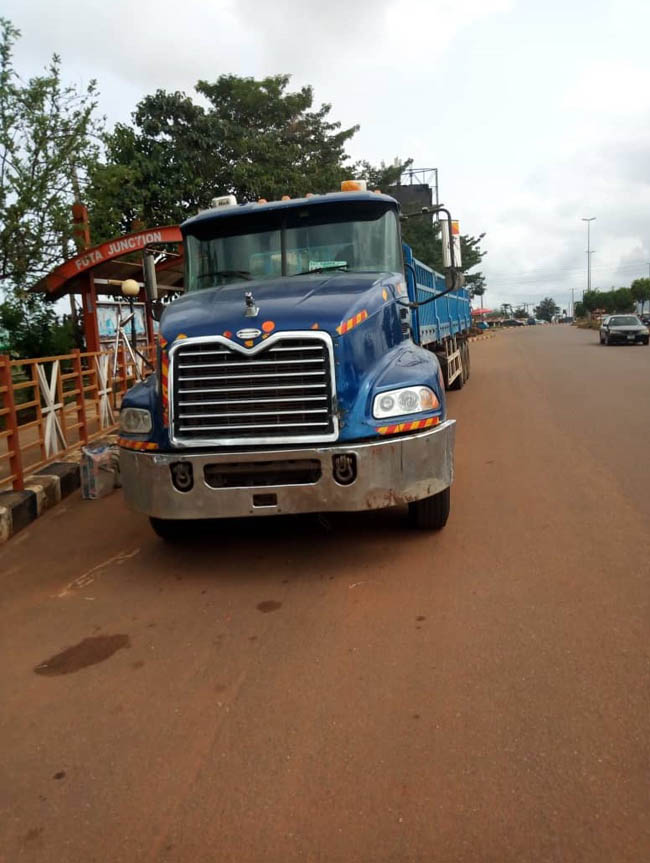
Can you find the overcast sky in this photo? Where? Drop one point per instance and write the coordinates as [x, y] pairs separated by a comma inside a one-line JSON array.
[[534, 112]]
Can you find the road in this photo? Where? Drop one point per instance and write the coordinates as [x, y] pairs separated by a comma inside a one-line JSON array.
[[344, 689]]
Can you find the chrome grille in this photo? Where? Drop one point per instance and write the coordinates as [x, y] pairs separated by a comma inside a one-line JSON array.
[[282, 391]]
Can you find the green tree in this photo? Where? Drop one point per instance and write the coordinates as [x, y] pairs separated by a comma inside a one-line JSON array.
[[623, 300], [520, 313], [641, 291], [547, 309], [593, 300], [580, 310], [253, 139], [33, 328], [383, 176], [47, 145], [424, 237]]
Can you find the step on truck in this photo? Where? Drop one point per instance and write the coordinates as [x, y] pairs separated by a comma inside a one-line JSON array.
[[303, 369]]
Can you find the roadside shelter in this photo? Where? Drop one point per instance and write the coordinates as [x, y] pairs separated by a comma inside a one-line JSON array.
[[100, 270]]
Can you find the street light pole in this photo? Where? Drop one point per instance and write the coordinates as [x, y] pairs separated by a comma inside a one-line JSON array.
[[589, 221]]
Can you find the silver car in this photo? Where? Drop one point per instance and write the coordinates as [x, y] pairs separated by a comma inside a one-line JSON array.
[[623, 330]]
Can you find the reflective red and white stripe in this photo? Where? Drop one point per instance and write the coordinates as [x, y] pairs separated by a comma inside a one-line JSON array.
[[410, 426]]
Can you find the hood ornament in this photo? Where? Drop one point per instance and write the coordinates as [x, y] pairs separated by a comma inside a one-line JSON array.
[[251, 310]]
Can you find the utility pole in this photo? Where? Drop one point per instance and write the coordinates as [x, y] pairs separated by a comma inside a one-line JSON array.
[[573, 305], [589, 220]]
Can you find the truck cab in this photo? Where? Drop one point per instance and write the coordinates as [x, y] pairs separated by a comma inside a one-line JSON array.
[[290, 378]]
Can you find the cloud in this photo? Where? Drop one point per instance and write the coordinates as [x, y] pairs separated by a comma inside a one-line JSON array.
[[535, 114]]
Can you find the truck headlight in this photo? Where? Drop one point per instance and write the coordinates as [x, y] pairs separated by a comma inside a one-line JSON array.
[[410, 400], [135, 421]]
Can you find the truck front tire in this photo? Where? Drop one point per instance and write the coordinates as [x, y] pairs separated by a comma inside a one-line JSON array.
[[431, 513], [169, 529]]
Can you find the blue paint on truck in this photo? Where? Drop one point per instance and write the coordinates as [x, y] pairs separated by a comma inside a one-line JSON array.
[[306, 334]]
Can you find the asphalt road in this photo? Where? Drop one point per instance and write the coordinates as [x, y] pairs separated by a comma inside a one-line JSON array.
[[346, 690]]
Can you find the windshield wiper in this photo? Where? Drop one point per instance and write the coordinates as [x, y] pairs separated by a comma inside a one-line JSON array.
[[245, 274], [321, 269]]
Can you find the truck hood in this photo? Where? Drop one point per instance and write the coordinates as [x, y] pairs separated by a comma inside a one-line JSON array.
[[319, 301]]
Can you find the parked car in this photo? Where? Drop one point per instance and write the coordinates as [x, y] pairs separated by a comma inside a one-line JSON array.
[[513, 322], [623, 329], [482, 325], [531, 322]]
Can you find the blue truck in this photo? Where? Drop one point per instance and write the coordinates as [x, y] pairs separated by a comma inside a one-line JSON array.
[[303, 369]]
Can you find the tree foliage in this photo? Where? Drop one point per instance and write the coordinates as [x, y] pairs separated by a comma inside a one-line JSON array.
[[640, 289], [616, 300], [254, 139], [47, 146], [547, 309], [424, 237], [33, 328]]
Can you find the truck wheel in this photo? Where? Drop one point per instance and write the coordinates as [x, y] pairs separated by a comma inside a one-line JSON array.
[[169, 529], [431, 513]]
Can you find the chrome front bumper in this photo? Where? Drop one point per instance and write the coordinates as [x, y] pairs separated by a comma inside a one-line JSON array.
[[389, 472]]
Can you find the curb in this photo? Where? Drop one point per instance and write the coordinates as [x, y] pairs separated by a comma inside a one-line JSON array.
[[43, 490], [481, 338]]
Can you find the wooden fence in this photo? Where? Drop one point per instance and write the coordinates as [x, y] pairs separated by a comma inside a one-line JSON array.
[[50, 406]]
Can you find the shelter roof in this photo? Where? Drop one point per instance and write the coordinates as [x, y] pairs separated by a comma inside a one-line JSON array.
[[115, 261]]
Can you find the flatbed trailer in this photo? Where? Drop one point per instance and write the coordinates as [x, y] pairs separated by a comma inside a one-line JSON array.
[[441, 326]]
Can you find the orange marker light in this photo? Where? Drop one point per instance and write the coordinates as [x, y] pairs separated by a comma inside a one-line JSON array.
[[268, 326], [285, 198], [314, 326], [354, 186], [249, 343], [262, 201]]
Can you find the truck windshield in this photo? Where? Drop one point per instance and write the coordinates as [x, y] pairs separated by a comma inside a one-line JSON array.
[[342, 237]]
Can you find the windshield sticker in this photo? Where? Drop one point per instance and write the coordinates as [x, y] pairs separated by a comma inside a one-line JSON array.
[[326, 265]]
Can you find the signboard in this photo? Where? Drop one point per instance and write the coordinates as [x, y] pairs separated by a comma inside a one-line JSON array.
[[109, 250], [108, 317], [446, 250]]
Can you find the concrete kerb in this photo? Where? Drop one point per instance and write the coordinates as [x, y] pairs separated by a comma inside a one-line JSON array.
[[42, 491], [482, 337]]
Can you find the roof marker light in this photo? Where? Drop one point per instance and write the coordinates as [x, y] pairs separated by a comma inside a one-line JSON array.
[[285, 198], [354, 186], [224, 201], [262, 201]]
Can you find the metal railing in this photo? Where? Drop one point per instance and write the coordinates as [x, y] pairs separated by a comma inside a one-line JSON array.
[[50, 406]]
